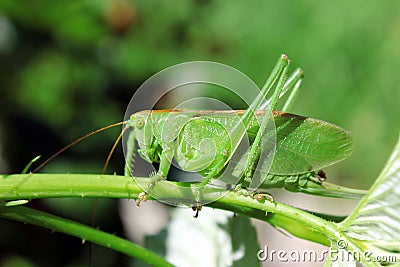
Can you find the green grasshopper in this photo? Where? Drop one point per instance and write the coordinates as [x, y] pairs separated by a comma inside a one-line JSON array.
[[303, 146], [292, 156]]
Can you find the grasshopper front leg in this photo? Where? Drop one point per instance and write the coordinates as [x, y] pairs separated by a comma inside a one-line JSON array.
[[165, 164], [157, 142]]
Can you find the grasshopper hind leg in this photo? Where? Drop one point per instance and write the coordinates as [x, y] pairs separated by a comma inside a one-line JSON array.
[[283, 86]]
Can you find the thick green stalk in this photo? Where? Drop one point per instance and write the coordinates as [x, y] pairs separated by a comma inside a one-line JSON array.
[[86, 233], [33, 186]]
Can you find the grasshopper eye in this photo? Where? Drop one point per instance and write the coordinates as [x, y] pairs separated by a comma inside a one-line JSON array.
[[139, 124]]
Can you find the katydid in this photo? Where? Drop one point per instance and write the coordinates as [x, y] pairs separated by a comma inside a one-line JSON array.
[[207, 141], [303, 145]]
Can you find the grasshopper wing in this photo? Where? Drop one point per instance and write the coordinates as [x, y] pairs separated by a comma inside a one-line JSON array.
[[304, 144]]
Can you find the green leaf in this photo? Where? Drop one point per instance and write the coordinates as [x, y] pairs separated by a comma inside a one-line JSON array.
[[374, 225], [244, 241], [377, 217]]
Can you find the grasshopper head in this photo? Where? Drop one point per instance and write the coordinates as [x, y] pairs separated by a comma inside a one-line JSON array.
[[143, 131]]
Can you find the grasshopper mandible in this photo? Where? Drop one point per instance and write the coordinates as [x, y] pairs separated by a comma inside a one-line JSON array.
[[303, 146]]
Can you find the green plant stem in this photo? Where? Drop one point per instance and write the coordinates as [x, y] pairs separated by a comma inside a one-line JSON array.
[[332, 190], [84, 232], [295, 221]]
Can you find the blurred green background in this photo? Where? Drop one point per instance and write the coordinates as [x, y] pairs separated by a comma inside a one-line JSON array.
[[68, 67]]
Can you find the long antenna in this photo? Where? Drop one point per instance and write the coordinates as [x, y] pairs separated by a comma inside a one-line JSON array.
[[112, 150], [104, 171], [74, 143], [96, 203]]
